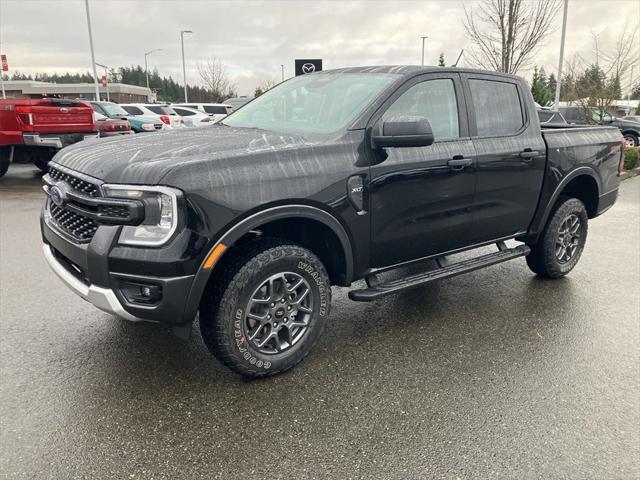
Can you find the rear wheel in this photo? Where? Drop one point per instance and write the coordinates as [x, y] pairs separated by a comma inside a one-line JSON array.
[[42, 160], [561, 244], [5, 160], [631, 139], [268, 309]]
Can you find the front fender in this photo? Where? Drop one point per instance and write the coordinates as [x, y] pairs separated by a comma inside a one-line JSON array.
[[252, 222]]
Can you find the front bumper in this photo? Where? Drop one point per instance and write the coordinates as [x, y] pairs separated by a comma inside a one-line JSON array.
[[104, 273], [103, 298]]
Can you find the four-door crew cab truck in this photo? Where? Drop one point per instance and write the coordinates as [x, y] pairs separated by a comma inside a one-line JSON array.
[[325, 179], [32, 130]]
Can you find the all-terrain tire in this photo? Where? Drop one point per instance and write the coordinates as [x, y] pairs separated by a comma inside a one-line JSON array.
[[225, 324], [5, 161], [544, 257]]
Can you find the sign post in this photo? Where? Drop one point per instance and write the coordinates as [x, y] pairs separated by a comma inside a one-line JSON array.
[[5, 68], [304, 66]]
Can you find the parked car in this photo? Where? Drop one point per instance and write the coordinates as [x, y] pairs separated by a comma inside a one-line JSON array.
[[162, 112], [193, 117], [217, 111], [549, 116], [111, 127], [237, 102], [138, 124], [251, 222], [33, 130], [632, 118], [630, 130]]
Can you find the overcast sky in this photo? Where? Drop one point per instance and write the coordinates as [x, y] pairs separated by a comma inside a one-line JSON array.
[[253, 38]]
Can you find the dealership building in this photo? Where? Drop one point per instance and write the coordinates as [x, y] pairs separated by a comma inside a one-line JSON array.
[[118, 92]]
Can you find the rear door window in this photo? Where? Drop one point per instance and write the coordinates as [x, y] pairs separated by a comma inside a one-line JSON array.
[[497, 106], [215, 110], [183, 112], [161, 109], [133, 110]]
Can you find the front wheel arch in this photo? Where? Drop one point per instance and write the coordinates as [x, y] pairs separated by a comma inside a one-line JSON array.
[[269, 216]]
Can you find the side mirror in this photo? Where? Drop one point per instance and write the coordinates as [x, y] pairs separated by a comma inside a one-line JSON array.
[[404, 131]]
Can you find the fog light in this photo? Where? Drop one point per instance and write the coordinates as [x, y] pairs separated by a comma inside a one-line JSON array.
[[141, 293]]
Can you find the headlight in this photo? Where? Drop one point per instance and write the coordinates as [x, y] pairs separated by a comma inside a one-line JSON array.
[[160, 214], [148, 127]]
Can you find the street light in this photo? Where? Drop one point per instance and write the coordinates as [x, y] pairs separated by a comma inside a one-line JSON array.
[[146, 68], [556, 101], [93, 57], [423, 39], [184, 70], [282, 67], [106, 74]]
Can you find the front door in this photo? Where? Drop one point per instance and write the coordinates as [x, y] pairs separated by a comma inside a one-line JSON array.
[[420, 201]]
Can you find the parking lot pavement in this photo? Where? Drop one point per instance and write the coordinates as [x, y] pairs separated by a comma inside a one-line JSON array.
[[495, 374]]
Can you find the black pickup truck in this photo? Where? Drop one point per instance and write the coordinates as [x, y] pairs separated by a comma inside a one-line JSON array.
[[326, 179]]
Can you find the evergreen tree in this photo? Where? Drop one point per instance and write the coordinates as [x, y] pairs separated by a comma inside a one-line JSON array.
[[539, 87], [551, 84]]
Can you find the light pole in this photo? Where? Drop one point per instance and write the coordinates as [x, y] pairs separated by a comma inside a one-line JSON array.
[[556, 101], [106, 74], [423, 39], [282, 67], [184, 70], [93, 57], [146, 68]]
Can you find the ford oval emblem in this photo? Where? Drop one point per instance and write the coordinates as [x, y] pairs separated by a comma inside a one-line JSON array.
[[57, 195]]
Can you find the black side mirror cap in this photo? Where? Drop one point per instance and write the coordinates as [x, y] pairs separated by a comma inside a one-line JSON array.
[[404, 131]]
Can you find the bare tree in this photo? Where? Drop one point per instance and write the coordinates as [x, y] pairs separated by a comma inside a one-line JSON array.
[[216, 79], [597, 85], [265, 85], [507, 33]]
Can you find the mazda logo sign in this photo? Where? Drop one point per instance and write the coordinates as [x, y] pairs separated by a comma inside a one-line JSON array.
[[308, 68]]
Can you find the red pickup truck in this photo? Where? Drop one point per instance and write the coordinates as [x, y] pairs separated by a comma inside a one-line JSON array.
[[33, 130]]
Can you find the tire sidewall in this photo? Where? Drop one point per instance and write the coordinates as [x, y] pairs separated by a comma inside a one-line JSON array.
[[633, 137], [569, 207], [233, 311]]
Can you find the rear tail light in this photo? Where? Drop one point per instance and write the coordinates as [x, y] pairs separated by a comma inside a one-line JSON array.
[[165, 119], [25, 116]]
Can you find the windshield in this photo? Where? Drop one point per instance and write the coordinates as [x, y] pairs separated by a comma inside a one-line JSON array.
[[317, 103], [113, 110]]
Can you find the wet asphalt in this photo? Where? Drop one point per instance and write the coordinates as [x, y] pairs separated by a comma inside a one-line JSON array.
[[495, 374]]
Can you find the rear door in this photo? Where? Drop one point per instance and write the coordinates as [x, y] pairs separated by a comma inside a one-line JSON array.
[[510, 154], [420, 202]]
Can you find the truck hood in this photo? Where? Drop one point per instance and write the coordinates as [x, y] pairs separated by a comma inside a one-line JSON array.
[[148, 158]]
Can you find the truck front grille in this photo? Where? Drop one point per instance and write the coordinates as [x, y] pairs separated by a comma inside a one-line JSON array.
[[76, 183], [77, 226]]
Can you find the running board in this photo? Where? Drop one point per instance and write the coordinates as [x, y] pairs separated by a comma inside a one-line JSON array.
[[376, 289]]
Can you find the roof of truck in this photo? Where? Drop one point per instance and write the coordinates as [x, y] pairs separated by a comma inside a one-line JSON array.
[[413, 70]]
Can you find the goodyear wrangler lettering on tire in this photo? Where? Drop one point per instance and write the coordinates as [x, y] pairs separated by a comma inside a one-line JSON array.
[[269, 309]]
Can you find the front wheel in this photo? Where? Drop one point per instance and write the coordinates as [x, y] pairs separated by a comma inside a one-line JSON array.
[[268, 310], [562, 241]]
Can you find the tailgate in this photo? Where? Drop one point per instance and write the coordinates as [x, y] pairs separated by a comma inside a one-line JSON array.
[[55, 116]]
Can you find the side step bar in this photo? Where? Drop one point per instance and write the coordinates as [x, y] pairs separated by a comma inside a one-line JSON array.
[[377, 289]]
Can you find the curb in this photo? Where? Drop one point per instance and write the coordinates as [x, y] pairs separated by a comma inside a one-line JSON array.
[[630, 173]]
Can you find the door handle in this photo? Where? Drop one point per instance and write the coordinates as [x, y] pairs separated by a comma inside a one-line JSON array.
[[458, 163], [528, 153]]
